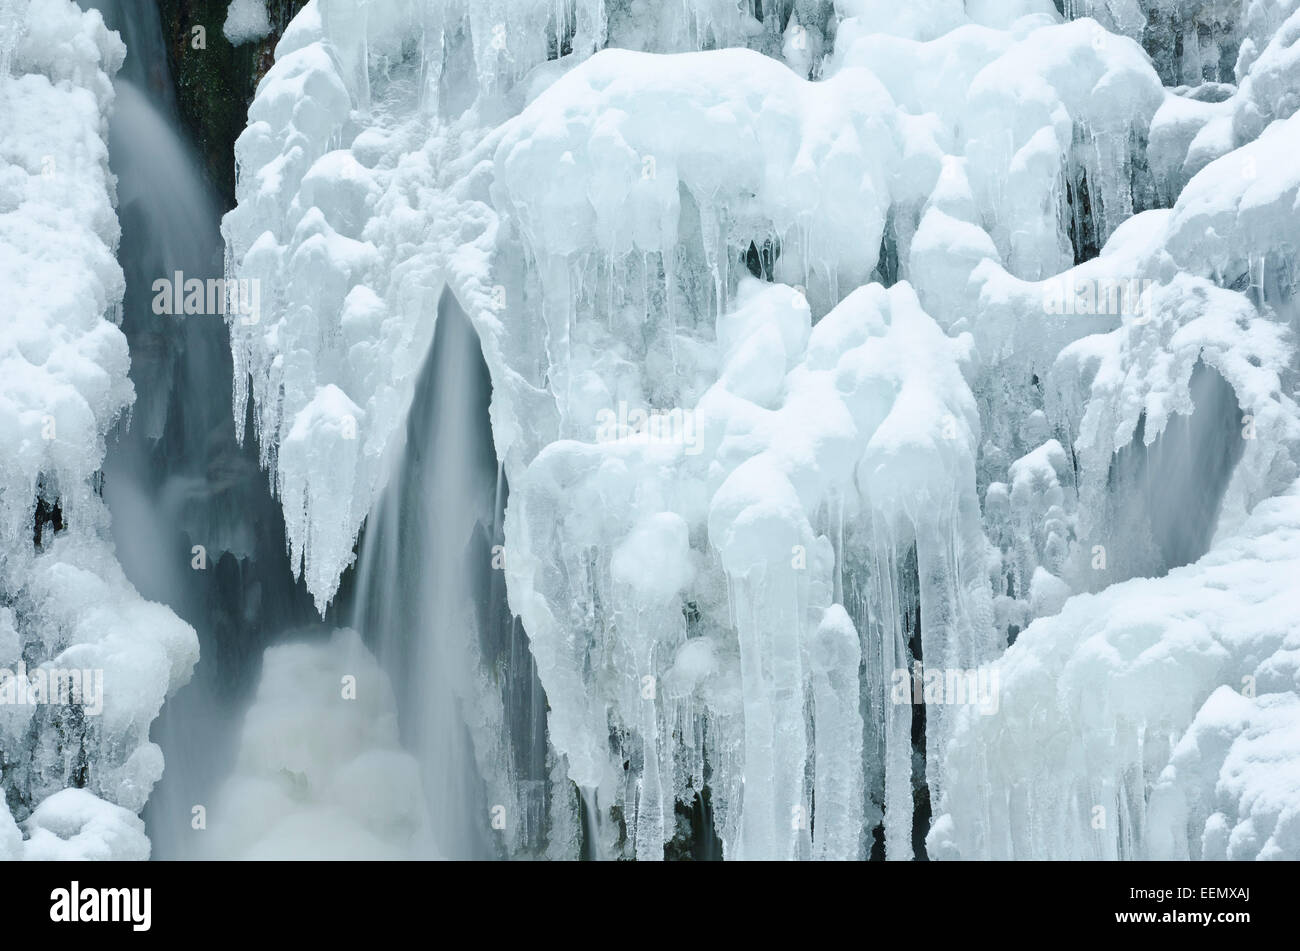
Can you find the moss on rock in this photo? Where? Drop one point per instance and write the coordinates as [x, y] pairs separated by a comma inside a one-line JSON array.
[[215, 81]]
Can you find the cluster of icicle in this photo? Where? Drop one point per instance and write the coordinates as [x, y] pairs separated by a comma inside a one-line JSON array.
[[823, 346]]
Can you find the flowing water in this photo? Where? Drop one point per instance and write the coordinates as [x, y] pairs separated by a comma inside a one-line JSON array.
[[196, 527], [193, 522], [420, 578]]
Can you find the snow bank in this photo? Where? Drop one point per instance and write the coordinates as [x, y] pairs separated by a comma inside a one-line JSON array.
[[74, 826]]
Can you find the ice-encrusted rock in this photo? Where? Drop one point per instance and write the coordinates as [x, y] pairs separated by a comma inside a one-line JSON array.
[[63, 384], [1206, 122], [1230, 789], [1135, 692]]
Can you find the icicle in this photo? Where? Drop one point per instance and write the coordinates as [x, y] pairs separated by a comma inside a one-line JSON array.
[[838, 791], [897, 711]]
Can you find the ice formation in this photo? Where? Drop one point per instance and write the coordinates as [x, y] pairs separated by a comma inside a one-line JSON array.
[[64, 602], [850, 362], [246, 20], [1154, 719], [824, 343]]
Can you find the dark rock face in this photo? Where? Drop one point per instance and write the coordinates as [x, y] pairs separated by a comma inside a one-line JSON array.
[[215, 81]]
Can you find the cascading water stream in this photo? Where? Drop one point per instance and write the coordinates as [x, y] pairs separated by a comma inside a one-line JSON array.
[[194, 525], [421, 587], [1169, 507]]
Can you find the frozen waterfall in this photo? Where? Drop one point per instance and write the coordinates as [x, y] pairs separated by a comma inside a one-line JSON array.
[[618, 429]]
